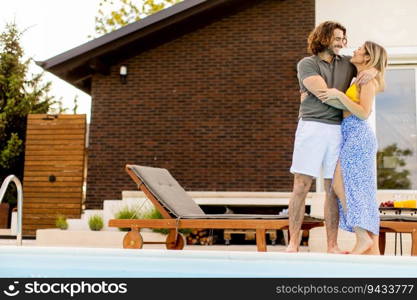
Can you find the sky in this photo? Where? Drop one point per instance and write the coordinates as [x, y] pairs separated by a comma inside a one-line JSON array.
[[52, 27]]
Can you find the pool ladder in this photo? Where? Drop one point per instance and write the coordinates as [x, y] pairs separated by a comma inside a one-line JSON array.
[[6, 182]]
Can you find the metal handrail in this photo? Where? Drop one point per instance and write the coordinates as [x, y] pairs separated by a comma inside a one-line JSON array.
[[3, 189]]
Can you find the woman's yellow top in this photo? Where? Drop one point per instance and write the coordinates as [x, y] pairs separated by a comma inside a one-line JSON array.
[[352, 93]]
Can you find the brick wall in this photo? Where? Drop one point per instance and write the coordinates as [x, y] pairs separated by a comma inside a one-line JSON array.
[[217, 107]]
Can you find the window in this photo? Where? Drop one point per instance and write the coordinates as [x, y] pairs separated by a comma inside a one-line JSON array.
[[396, 130]]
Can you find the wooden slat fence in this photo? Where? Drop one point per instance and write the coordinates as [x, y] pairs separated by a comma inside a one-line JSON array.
[[54, 169]]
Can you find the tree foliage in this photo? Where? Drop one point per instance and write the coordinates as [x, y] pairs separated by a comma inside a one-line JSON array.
[[391, 172], [20, 94], [114, 14]]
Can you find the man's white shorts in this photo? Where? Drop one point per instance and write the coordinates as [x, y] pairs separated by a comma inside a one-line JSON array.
[[316, 146]]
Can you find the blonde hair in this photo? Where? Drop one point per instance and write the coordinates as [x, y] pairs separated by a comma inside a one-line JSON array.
[[378, 60]]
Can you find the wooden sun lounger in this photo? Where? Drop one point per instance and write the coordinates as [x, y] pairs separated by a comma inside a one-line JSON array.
[[174, 222]]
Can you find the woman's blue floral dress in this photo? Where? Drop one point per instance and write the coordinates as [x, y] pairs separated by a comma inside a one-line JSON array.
[[358, 166]]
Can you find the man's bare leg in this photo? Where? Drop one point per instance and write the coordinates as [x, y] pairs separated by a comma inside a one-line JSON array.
[[296, 209], [331, 217]]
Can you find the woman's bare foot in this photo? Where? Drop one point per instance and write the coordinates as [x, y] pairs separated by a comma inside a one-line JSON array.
[[363, 241], [291, 249], [374, 250], [336, 250], [362, 247]]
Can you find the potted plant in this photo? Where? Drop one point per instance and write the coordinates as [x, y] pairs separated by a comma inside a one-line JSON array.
[[95, 222], [61, 222]]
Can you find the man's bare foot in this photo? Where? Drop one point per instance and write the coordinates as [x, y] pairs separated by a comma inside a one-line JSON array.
[[362, 246], [336, 250], [291, 249]]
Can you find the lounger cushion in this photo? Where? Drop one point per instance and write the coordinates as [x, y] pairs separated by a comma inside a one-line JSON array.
[[249, 216], [235, 216], [168, 191]]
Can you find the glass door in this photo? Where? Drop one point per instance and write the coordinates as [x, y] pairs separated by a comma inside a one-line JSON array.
[[396, 130]]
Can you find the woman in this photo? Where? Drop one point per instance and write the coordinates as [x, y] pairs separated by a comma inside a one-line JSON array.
[[354, 180]]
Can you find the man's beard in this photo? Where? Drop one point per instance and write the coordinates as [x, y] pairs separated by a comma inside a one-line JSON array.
[[331, 51]]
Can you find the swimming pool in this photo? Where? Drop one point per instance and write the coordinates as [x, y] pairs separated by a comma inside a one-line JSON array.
[[106, 263]]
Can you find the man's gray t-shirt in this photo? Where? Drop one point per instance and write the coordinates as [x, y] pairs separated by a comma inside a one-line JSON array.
[[337, 74]]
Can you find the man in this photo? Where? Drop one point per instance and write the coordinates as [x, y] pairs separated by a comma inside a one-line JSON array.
[[318, 135]]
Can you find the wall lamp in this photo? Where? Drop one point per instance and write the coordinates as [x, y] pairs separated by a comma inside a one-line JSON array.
[[123, 73]]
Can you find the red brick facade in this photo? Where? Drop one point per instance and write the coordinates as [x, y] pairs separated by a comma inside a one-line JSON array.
[[217, 107]]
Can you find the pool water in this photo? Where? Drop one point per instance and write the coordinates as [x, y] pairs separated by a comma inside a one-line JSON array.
[[106, 263]]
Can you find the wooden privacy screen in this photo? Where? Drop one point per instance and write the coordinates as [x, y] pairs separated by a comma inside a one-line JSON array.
[[54, 170]]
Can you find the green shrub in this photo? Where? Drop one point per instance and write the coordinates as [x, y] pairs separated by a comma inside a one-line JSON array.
[[155, 214], [95, 222], [61, 222], [127, 213], [152, 214]]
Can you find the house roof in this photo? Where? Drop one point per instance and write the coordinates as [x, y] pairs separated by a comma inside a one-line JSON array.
[[77, 65]]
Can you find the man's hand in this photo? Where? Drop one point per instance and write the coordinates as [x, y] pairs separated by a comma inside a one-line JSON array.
[[327, 94], [366, 76]]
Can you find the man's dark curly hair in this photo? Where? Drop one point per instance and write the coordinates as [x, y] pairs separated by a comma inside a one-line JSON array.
[[319, 39]]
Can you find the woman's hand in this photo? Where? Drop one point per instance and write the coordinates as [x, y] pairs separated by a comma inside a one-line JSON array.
[[327, 94], [303, 96], [365, 76]]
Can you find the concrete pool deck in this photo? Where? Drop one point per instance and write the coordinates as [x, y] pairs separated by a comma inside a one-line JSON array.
[[275, 248]]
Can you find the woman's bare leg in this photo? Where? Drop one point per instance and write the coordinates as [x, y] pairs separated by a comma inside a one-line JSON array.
[[338, 190], [338, 185], [366, 243]]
